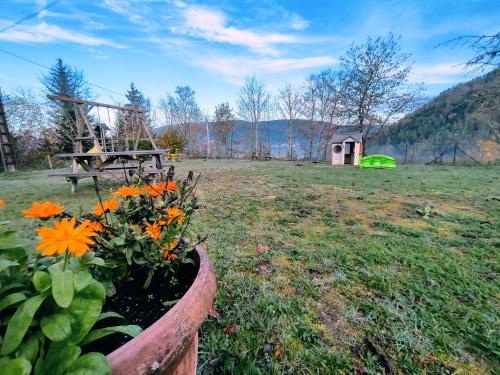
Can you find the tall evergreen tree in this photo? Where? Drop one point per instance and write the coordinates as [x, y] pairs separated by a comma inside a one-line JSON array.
[[64, 80], [128, 123]]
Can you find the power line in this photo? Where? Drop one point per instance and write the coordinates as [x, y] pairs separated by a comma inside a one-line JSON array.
[[30, 16], [46, 67]]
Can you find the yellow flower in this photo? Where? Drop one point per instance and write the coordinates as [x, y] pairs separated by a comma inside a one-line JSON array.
[[65, 237], [154, 230], [174, 214], [127, 191], [2, 202], [107, 206], [95, 226], [168, 248], [43, 210]]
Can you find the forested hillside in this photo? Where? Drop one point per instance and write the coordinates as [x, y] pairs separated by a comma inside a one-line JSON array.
[[464, 114]]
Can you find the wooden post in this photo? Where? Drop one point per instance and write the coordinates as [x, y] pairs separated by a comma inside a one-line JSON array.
[[6, 145], [455, 154], [406, 152]]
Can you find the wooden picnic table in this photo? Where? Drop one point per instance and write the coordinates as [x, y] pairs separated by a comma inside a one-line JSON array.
[[109, 164]]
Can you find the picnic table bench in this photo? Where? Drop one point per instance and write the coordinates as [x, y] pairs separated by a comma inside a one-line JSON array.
[[107, 164]]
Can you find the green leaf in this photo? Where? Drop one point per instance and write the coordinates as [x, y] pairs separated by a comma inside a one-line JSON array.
[[42, 281], [19, 323], [110, 288], [8, 287], [131, 330], [4, 264], [56, 327], [62, 287], [29, 348], [11, 299], [60, 358], [81, 279], [97, 261], [109, 314], [8, 241], [18, 366], [85, 310], [90, 364]]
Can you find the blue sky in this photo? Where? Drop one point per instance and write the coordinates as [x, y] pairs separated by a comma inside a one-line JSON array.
[[213, 45]]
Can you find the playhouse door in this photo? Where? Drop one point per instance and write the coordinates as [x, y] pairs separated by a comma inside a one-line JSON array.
[[349, 153]]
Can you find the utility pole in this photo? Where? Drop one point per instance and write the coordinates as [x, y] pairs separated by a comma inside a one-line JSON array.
[[208, 141]]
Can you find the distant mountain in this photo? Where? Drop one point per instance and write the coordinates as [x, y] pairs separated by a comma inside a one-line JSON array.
[[272, 132], [467, 113]]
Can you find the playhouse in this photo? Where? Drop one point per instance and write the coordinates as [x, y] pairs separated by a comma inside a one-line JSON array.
[[347, 148]]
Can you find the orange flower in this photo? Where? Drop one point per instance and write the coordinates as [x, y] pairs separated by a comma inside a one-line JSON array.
[[167, 248], [175, 213], [154, 230], [127, 192], [43, 210], [95, 226], [107, 206], [171, 186], [65, 237], [2, 202], [154, 190]]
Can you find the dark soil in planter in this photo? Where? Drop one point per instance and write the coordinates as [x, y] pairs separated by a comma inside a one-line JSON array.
[[142, 306]]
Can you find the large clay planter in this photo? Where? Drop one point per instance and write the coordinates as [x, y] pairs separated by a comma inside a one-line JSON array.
[[170, 345]]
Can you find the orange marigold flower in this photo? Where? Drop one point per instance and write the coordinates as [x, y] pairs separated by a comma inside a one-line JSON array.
[[127, 192], [154, 230], [175, 214], [169, 247], [43, 210], [2, 202], [95, 226], [65, 236], [171, 186], [154, 190], [107, 206]]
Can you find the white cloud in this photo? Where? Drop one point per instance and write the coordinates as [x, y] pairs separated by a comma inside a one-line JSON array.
[[437, 73], [45, 33], [234, 69], [298, 23], [212, 25]]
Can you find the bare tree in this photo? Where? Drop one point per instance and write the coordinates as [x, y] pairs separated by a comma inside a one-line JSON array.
[[28, 118], [252, 103], [485, 47], [309, 111], [224, 127], [183, 110], [374, 83], [289, 104], [327, 107]]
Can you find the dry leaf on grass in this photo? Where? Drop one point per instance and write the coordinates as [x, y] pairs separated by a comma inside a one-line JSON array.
[[262, 248], [230, 329]]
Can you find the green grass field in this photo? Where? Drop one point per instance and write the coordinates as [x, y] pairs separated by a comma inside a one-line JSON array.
[[358, 270]]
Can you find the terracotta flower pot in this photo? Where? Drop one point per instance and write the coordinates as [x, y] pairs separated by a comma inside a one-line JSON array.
[[170, 345]]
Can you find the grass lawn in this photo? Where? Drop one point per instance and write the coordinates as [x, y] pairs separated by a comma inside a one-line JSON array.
[[323, 269]]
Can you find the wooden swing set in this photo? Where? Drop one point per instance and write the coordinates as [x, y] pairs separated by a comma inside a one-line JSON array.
[[112, 155]]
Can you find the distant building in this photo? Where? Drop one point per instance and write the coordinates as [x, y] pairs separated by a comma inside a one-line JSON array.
[[347, 147]]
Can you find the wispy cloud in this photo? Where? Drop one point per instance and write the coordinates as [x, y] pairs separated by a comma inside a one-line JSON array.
[[442, 73], [213, 25], [298, 23], [46, 33], [234, 69]]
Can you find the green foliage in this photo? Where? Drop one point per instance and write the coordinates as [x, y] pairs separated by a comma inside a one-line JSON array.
[[48, 315]]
